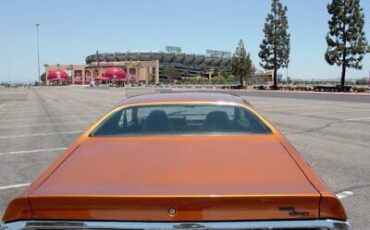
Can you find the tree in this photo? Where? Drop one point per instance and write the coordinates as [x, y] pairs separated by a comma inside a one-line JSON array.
[[288, 80], [362, 81], [346, 40], [241, 63], [275, 47], [43, 78], [171, 73]]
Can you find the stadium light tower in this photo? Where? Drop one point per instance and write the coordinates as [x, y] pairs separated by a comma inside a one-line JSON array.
[[38, 52]]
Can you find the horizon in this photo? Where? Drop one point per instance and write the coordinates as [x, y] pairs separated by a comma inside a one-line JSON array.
[[73, 30]]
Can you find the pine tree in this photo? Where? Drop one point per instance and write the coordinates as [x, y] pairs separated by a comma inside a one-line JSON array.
[[346, 40], [275, 47], [242, 66]]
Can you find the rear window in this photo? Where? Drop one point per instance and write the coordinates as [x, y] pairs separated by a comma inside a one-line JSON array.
[[181, 119]]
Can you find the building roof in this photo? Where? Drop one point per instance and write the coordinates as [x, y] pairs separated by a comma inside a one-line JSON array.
[[184, 97], [180, 58]]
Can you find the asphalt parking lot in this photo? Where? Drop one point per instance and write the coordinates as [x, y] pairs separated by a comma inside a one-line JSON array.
[[332, 134]]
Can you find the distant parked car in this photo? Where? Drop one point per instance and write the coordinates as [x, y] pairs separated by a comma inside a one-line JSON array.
[[179, 161], [261, 87]]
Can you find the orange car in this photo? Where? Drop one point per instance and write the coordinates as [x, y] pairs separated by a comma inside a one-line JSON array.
[[179, 161]]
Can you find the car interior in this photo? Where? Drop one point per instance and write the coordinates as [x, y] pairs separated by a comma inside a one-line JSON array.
[[159, 121]]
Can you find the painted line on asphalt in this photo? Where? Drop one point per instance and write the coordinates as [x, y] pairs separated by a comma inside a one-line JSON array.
[[79, 110], [34, 110], [14, 186], [43, 125], [40, 134], [336, 111], [344, 194], [34, 151], [293, 108], [357, 119], [30, 108], [37, 119]]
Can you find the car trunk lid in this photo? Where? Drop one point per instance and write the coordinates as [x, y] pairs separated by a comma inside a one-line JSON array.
[[187, 178]]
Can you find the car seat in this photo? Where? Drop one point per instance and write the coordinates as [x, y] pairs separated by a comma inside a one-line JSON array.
[[157, 120], [216, 121]]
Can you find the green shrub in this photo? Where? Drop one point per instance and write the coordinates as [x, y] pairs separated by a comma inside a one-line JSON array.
[[203, 81], [230, 79], [218, 80], [193, 80], [361, 90]]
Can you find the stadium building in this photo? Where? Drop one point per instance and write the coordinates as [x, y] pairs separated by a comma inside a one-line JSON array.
[[149, 67]]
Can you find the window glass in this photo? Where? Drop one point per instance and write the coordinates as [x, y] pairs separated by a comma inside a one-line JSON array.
[[181, 119]]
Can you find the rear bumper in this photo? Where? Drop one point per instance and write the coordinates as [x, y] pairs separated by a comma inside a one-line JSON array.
[[299, 224]]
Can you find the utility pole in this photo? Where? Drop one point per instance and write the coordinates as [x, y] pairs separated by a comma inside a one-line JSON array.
[[38, 52]]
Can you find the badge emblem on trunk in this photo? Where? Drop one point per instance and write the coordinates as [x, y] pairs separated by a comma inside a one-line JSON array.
[[172, 211]]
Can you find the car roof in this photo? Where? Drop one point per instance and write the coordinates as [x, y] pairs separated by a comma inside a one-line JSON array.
[[184, 97]]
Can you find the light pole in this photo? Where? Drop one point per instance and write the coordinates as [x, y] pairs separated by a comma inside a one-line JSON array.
[[38, 52]]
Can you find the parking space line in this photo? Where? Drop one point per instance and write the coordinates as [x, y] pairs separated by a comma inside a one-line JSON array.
[[34, 151], [357, 119], [79, 110], [14, 186], [334, 111], [42, 125], [344, 194], [295, 108], [36, 119], [41, 134], [34, 110]]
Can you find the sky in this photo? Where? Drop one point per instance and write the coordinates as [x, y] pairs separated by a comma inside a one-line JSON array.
[[70, 30]]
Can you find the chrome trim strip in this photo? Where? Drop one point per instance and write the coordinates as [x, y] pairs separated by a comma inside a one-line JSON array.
[[294, 224]]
